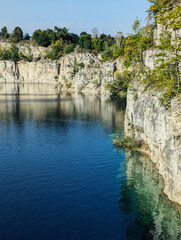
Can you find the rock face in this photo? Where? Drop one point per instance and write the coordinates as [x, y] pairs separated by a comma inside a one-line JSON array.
[[84, 72], [26, 47], [150, 57], [37, 72], [157, 126], [147, 120], [160, 30]]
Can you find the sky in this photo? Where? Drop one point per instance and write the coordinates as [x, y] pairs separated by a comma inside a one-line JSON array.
[[109, 16]]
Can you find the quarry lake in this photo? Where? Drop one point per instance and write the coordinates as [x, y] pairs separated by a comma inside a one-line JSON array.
[[62, 179]]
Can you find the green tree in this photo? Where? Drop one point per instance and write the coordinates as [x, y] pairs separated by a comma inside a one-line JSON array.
[[14, 52], [4, 33], [107, 54], [17, 35], [85, 41], [120, 84], [41, 38], [137, 43], [107, 40], [136, 26], [83, 33], [4, 54], [97, 44], [27, 36], [61, 33], [55, 50], [166, 12], [74, 38]]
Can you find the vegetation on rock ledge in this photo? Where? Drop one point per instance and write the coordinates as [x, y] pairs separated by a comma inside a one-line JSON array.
[[127, 142]]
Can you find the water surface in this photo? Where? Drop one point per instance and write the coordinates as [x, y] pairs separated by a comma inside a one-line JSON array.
[[62, 179]]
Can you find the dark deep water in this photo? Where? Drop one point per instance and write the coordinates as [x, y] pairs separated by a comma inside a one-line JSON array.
[[62, 179]]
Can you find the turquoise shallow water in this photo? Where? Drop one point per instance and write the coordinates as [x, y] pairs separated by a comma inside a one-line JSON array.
[[62, 179]]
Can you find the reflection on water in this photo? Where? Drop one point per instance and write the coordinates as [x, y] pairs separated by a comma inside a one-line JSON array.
[[155, 217], [61, 176], [58, 168], [22, 101]]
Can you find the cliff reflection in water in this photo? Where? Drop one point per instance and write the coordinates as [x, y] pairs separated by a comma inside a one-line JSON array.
[[153, 215], [44, 103]]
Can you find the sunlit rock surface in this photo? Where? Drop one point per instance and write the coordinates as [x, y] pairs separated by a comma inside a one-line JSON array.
[[81, 71], [160, 128]]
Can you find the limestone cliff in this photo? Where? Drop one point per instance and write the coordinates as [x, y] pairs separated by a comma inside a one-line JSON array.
[[81, 71], [157, 125], [147, 120]]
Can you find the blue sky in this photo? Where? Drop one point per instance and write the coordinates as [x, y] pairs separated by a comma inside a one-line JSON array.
[[109, 16]]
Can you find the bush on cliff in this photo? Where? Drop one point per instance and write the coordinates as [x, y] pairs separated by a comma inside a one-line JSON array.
[[127, 142], [55, 50], [10, 54], [13, 54], [85, 41], [120, 84], [68, 49]]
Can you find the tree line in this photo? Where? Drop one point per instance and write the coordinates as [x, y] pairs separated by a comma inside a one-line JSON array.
[[60, 41]]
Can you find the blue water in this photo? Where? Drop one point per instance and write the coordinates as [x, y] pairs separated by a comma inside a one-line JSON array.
[[62, 179]]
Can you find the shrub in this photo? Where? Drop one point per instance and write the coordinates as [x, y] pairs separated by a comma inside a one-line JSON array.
[[81, 65], [68, 49], [4, 33], [127, 142], [14, 53], [55, 51], [120, 84]]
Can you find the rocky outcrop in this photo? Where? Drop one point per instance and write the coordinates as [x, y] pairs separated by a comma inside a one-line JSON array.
[[150, 57], [83, 71], [38, 72], [161, 29], [27, 47], [160, 128]]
